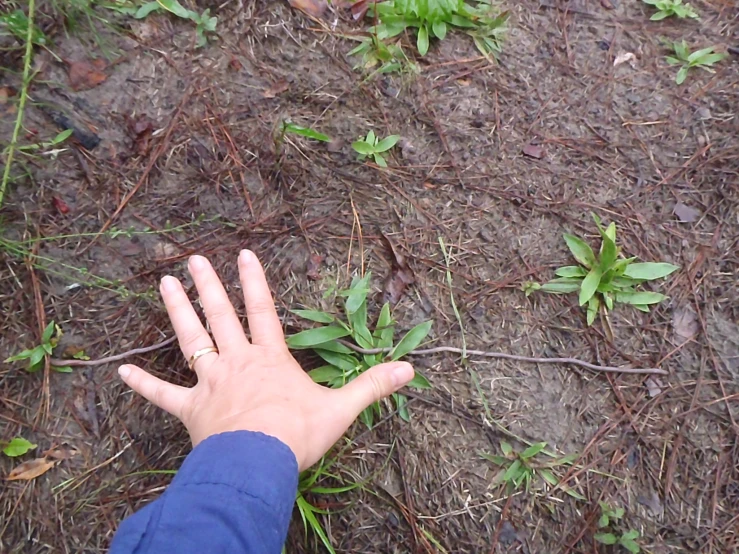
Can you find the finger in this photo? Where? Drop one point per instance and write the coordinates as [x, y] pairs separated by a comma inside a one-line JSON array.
[[170, 398], [372, 385], [190, 332], [265, 326], [224, 323]]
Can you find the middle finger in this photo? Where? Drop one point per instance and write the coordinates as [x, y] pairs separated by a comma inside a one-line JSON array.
[[224, 323]]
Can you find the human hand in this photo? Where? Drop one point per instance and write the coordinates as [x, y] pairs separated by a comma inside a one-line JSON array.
[[255, 386]]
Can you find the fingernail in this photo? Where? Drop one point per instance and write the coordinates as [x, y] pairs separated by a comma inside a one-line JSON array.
[[168, 283], [245, 256], [197, 262], [124, 371], [402, 373]]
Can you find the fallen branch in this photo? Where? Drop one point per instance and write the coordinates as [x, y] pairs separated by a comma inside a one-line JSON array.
[[420, 352]]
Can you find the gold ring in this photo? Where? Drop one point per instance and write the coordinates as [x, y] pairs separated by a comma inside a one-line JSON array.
[[200, 353]]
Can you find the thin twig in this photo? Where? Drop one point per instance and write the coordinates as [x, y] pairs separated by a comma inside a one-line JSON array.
[[420, 352], [486, 354], [57, 362]]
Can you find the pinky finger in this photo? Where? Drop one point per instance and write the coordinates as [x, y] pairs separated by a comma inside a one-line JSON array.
[[170, 398]]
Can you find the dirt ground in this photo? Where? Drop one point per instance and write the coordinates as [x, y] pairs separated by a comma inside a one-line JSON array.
[[187, 164]]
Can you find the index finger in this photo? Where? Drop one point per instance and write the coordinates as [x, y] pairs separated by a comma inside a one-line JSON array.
[[264, 324]]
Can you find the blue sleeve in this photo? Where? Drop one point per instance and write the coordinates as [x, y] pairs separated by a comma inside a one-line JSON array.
[[234, 494]]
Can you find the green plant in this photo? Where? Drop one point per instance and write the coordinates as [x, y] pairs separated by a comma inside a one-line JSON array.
[[16, 446], [703, 58], [667, 8], [307, 132], [17, 23], [604, 280], [609, 516], [389, 56], [204, 22], [343, 363], [522, 468], [35, 356], [309, 485], [435, 18], [371, 145]]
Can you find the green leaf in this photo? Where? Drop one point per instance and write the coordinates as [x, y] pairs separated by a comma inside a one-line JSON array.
[[642, 308], [605, 538], [305, 132], [401, 404], [379, 160], [659, 16], [313, 337], [308, 512], [712, 59], [533, 450], [439, 29], [371, 138], [589, 285], [698, 54], [497, 460], [363, 148], [48, 333], [345, 362], [640, 298], [608, 297], [315, 315], [34, 361], [555, 287], [419, 382], [681, 49], [17, 447], [603, 521], [631, 535], [411, 340], [146, 9], [672, 61], [173, 6], [549, 477], [423, 40], [61, 137], [649, 271], [506, 448], [387, 143], [357, 293], [629, 544], [62, 368], [335, 346], [325, 373], [385, 328], [571, 271], [24, 355], [682, 74], [593, 305], [512, 471], [580, 250]]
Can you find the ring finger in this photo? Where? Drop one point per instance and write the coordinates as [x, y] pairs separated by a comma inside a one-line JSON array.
[[191, 334]]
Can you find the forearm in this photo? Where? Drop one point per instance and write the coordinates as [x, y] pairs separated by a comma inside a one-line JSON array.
[[234, 493]]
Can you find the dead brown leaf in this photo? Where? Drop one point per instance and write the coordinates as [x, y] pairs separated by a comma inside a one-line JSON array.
[[30, 469], [685, 213], [85, 75], [314, 267], [277, 88], [142, 129], [533, 151], [400, 276], [61, 452], [311, 7], [684, 323]]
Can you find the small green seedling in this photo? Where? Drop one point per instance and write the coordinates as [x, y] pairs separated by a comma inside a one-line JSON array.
[[371, 145], [344, 364], [16, 447], [35, 356], [435, 18], [204, 23], [609, 516], [704, 58], [604, 280], [385, 57], [61, 137], [521, 468], [668, 8]]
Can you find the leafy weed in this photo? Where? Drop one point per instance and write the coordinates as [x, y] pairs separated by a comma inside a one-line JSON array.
[[371, 145], [16, 446], [608, 518], [704, 58], [344, 364], [34, 357], [668, 8], [606, 279]]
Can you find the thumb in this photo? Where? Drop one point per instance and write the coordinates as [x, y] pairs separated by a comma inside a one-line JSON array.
[[170, 398], [377, 382]]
